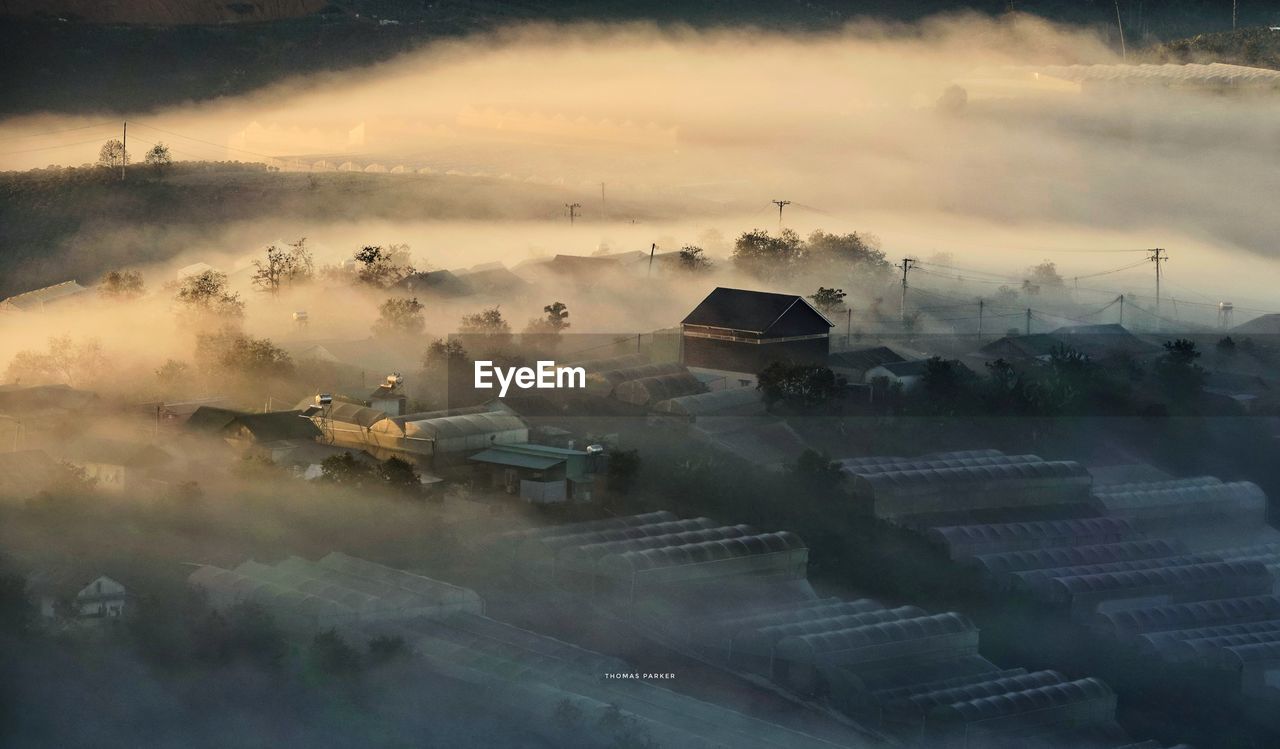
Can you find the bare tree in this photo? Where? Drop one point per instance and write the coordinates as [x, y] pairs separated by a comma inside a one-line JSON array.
[[159, 158], [113, 154]]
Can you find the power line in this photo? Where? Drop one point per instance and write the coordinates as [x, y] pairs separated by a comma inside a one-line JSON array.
[[55, 132], [49, 148]]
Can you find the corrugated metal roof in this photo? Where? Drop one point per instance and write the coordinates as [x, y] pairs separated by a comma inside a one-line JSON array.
[[517, 460]]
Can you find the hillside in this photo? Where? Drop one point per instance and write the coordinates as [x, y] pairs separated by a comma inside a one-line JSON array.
[[1259, 47], [59, 224], [163, 12], [81, 67]]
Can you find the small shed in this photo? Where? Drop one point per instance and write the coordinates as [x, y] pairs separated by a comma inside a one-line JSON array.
[[540, 474]]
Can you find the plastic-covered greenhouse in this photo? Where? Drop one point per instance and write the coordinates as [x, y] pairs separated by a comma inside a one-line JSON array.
[[545, 549], [604, 382], [515, 537], [1143, 486], [970, 540], [1036, 579], [752, 650], [1204, 648], [1083, 702], [799, 658], [915, 707], [1193, 581], [649, 391], [1067, 556], [451, 434], [878, 460], [1240, 501], [920, 464], [729, 401], [1136, 621], [1158, 641], [584, 558], [898, 493], [775, 556]]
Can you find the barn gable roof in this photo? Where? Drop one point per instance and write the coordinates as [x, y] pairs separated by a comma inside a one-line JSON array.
[[748, 311]]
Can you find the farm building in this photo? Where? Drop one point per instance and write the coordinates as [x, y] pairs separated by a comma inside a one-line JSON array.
[[649, 391], [1087, 593], [799, 661], [1005, 563], [982, 721], [962, 541], [1186, 502], [854, 365], [733, 334], [765, 556], [934, 487], [905, 373], [116, 466], [38, 300], [606, 381], [541, 474], [456, 434], [730, 402]]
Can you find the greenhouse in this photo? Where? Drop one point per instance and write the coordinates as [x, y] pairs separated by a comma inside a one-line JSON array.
[[583, 558], [546, 549], [1001, 563], [798, 659], [753, 649], [1035, 580], [914, 708], [649, 391], [1132, 622], [1204, 648], [1072, 704], [1143, 486], [605, 382], [776, 556], [718, 635], [511, 538], [1240, 501], [446, 596], [727, 402], [963, 541], [452, 434], [878, 460], [921, 464], [1191, 582], [901, 493], [1158, 641]]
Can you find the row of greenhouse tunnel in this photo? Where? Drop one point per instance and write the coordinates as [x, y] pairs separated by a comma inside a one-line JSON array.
[[1180, 571], [738, 597]]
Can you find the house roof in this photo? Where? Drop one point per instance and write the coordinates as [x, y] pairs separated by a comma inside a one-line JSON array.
[[745, 310], [518, 460], [1263, 325], [37, 298], [906, 368], [442, 282], [863, 359], [278, 425], [211, 419]]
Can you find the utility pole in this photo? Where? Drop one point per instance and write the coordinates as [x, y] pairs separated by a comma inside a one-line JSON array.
[[1028, 321], [781, 204], [981, 304], [573, 207], [848, 327], [1234, 6], [907, 263], [1124, 53], [1158, 256], [653, 247], [604, 207], [1122, 310], [124, 149]]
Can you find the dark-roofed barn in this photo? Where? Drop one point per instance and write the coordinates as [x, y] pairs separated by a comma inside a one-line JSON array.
[[735, 333]]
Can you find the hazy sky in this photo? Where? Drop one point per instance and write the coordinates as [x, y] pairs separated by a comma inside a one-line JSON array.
[[846, 125]]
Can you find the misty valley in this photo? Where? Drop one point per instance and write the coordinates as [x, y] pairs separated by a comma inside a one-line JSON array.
[[634, 377]]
